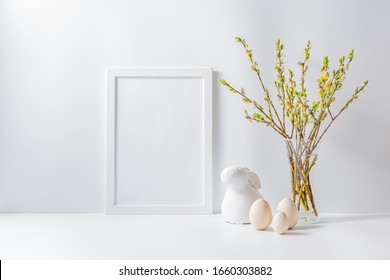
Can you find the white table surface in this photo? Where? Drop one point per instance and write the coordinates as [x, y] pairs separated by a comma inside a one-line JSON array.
[[100, 236]]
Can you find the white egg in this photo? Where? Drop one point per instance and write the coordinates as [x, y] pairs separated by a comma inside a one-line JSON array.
[[260, 214], [280, 222], [290, 209]]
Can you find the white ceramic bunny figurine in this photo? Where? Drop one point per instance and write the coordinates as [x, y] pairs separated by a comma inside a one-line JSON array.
[[242, 190]]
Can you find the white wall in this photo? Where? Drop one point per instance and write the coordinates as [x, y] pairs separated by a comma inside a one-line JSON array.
[[53, 56]]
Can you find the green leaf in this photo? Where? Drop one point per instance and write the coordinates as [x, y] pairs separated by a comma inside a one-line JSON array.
[[351, 54], [341, 60], [222, 81], [278, 44]]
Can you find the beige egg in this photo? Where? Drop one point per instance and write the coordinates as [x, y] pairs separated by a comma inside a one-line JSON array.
[[260, 214], [290, 209], [280, 222]]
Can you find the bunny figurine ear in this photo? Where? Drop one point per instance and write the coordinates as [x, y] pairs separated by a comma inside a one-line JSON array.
[[253, 179], [242, 191]]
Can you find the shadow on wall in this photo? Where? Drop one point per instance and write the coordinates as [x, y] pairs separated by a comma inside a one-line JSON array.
[[218, 188]]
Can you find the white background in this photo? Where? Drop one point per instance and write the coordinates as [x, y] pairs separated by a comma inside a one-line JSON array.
[[281, 269], [53, 58]]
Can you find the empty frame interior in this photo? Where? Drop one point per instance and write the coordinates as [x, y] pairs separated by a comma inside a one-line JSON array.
[[159, 142]]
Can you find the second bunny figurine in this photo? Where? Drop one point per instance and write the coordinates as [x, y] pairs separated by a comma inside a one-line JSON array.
[[242, 190]]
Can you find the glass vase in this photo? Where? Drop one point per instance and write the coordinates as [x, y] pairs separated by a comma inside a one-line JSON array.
[[302, 157]]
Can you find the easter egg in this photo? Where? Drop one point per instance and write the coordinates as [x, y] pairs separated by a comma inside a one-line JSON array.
[[290, 209], [260, 214], [280, 222]]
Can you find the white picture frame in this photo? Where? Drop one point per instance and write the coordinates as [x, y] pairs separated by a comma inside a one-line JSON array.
[[159, 141]]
